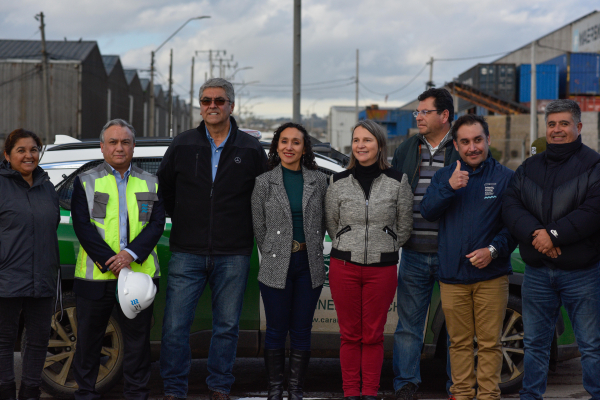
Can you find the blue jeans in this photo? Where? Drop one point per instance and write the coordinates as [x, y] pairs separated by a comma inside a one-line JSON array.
[[292, 308], [188, 275], [544, 290], [418, 272]]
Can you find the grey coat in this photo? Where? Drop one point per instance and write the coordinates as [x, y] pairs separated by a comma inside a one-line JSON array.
[[369, 232], [273, 229]]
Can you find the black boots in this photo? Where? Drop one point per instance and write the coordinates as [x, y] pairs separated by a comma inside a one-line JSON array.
[[275, 364], [29, 393], [8, 391], [298, 366]]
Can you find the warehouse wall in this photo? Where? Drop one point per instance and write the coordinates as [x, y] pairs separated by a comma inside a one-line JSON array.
[[22, 100]]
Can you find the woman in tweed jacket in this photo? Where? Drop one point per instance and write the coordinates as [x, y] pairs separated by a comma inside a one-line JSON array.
[[289, 225], [369, 216]]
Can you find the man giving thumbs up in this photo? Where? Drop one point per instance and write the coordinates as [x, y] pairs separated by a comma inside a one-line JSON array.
[[474, 253]]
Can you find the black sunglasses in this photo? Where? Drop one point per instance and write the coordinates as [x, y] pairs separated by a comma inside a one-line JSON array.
[[207, 101]]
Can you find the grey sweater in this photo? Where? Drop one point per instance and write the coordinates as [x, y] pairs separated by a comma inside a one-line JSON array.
[[369, 231]]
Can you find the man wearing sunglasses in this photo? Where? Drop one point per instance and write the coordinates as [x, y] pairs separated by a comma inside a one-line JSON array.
[[420, 157], [208, 175]]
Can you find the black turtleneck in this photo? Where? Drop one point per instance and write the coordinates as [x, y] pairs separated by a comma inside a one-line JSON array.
[[366, 175], [558, 153]]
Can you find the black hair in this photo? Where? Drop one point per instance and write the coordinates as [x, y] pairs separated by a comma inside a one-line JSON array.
[[470, 119], [308, 158], [442, 100], [14, 136]]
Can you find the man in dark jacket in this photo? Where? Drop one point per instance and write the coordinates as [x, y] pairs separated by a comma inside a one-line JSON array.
[[474, 251], [118, 218], [552, 207], [207, 176], [420, 157]]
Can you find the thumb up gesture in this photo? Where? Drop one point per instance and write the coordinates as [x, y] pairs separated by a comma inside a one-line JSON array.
[[459, 179]]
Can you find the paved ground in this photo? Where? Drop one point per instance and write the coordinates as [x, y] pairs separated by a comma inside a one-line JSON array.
[[324, 380]]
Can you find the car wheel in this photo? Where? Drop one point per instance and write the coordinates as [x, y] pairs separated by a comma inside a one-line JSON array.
[[57, 376], [512, 346]]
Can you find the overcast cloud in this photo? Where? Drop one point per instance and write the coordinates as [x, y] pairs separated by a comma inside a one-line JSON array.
[[395, 38]]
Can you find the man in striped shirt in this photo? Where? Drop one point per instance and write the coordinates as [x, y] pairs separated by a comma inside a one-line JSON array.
[[420, 156]]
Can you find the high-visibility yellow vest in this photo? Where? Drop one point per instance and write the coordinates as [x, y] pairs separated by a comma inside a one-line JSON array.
[[102, 195]]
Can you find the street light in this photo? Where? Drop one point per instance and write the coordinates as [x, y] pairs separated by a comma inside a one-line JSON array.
[[151, 130], [238, 70]]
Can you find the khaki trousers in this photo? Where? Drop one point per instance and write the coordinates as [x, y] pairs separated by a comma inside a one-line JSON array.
[[475, 310]]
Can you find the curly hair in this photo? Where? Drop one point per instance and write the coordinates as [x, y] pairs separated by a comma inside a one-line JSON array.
[[308, 158]]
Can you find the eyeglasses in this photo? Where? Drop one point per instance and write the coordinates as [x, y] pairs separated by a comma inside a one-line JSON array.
[[219, 101], [423, 112]]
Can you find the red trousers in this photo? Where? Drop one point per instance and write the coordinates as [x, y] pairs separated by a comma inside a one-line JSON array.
[[362, 297]]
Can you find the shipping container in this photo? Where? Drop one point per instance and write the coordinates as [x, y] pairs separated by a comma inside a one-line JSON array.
[[397, 122], [578, 73], [546, 81], [587, 103], [496, 79]]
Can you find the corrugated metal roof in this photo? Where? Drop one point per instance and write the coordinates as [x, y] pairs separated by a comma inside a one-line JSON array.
[[130, 74], [57, 50], [109, 63]]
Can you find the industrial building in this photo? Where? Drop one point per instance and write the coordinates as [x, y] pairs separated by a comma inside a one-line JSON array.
[[85, 90]]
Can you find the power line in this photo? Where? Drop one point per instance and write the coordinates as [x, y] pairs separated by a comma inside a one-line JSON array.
[[470, 58], [304, 84]]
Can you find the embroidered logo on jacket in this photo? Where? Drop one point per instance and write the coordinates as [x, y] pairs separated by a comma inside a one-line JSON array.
[[554, 233], [489, 191]]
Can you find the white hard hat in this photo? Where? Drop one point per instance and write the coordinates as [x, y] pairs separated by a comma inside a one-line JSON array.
[[136, 292]]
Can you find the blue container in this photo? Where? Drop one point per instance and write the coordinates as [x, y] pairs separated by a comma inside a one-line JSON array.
[[406, 121], [578, 73], [397, 122], [546, 82]]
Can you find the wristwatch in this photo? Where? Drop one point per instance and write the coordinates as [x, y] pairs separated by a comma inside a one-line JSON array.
[[493, 252]]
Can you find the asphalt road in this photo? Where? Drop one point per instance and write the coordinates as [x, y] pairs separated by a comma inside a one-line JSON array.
[[324, 380]]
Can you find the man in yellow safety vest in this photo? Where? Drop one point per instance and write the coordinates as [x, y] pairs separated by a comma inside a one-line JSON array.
[[118, 217]]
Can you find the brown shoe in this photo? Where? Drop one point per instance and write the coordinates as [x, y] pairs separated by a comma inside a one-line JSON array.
[[214, 395]]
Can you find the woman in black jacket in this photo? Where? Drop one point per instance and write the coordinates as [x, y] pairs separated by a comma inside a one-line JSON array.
[[29, 261], [289, 225]]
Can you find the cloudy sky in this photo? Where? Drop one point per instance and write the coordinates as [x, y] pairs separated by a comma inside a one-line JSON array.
[[395, 38]]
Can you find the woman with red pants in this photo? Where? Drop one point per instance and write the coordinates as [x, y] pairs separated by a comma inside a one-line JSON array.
[[369, 217]]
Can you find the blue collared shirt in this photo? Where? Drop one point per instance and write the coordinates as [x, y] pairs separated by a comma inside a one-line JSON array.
[[215, 154], [123, 216]]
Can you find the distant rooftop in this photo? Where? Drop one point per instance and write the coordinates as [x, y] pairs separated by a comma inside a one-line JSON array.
[[109, 63], [130, 74], [57, 50]]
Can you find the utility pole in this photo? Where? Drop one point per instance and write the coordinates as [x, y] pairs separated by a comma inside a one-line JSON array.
[[191, 125], [356, 100], [533, 105], [46, 81], [296, 117], [170, 119], [430, 84], [151, 105]]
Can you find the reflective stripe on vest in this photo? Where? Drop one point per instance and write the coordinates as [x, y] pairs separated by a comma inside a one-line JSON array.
[[101, 180]]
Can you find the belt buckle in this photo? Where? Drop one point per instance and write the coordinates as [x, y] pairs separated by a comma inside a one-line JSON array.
[[295, 246]]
